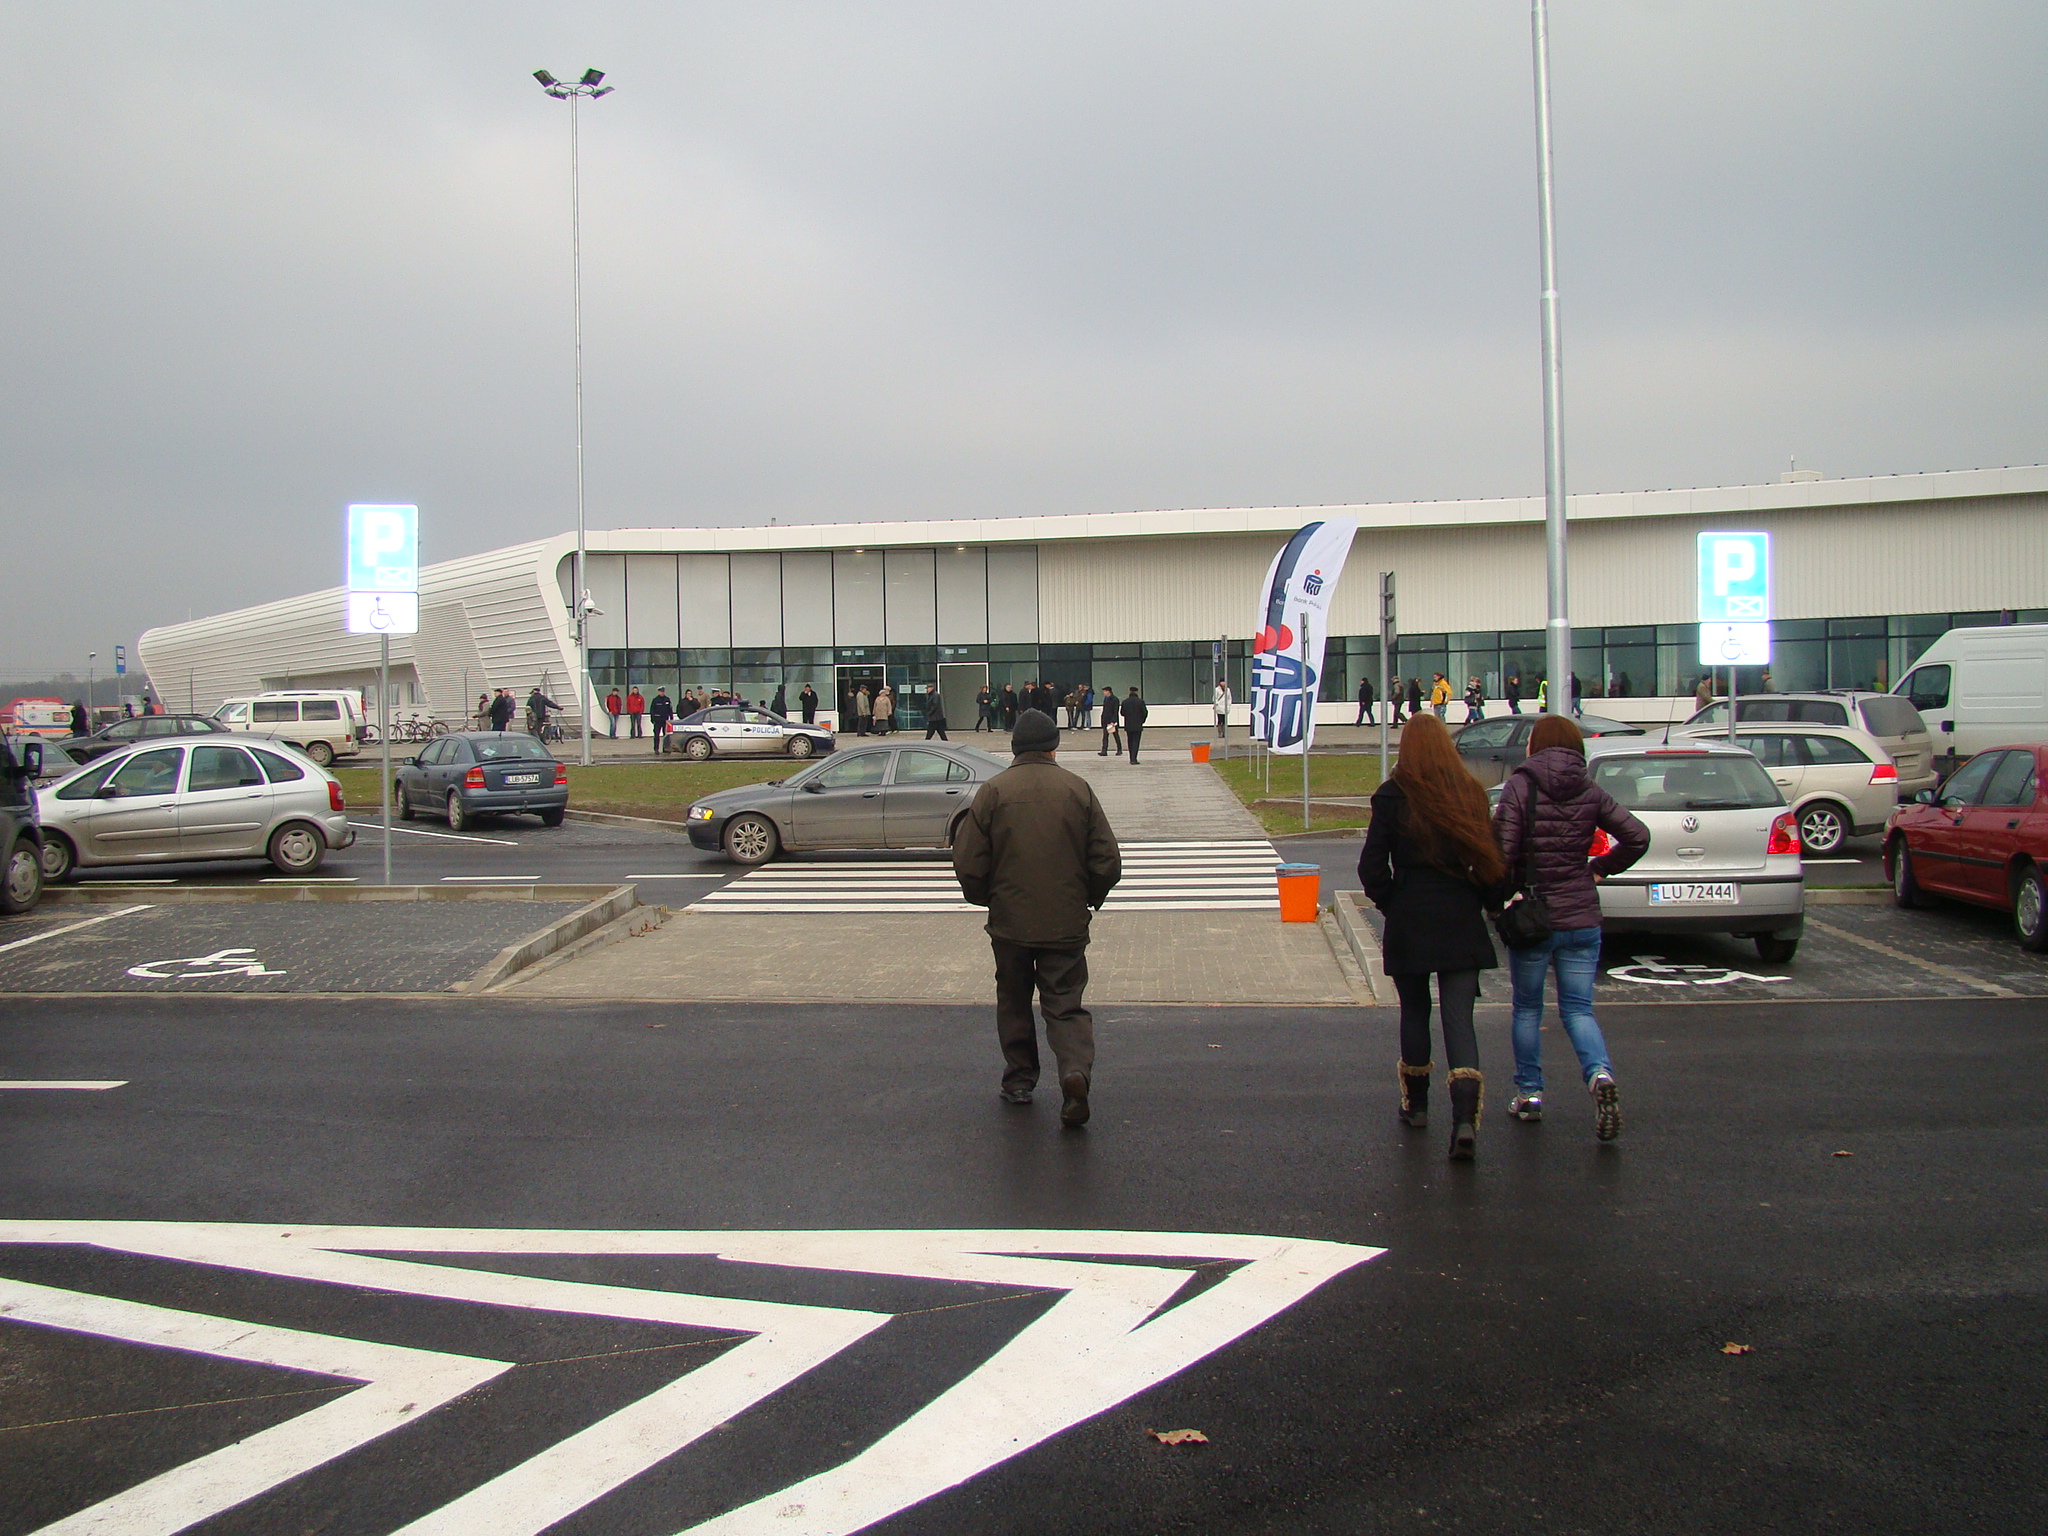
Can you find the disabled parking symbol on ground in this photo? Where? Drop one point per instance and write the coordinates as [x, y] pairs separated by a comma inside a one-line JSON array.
[[1652, 971], [240, 961]]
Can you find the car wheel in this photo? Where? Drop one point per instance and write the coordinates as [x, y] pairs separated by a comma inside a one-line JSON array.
[[1774, 950], [801, 746], [320, 752], [697, 748], [751, 839], [405, 810], [2030, 909], [297, 849], [551, 818], [458, 813], [1823, 827], [23, 886], [60, 860], [1906, 890]]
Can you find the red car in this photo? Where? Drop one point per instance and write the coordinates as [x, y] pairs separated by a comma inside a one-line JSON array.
[[1980, 837]]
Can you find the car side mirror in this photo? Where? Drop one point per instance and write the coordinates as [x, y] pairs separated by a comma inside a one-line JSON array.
[[1925, 797], [412, 762], [32, 759], [813, 787], [107, 792]]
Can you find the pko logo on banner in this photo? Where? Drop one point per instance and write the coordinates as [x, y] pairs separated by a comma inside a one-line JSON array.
[[1735, 599], [383, 570]]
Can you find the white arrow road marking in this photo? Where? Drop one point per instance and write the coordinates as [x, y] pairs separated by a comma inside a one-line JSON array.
[[86, 1084], [1090, 1351], [51, 933], [398, 1386], [239, 961]]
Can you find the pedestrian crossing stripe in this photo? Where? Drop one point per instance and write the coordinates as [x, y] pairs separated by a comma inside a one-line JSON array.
[[1232, 876]]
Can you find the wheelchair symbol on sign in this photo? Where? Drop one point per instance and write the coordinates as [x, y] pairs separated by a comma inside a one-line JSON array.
[[1661, 975], [222, 962]]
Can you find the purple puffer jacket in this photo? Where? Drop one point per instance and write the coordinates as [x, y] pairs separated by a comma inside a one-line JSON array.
[[1571, 807]]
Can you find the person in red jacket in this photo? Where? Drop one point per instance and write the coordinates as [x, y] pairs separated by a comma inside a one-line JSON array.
[[613, 708], [636, 706], [1549, 810]]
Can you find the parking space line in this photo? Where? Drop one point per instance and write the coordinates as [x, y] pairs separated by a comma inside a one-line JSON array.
[[83, 1084], [675, 877], [1948, 971], [307, 880], [453, 837], [485, 879], [104, 917]]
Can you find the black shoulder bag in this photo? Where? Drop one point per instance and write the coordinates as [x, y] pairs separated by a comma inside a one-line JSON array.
[[1525, 921]]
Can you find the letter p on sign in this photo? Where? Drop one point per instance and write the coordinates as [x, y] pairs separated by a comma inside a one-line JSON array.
[[1735, 578], [383, 548]]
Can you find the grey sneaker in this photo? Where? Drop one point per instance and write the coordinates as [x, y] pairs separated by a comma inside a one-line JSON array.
[[1606, 1106], [1526, 1106]]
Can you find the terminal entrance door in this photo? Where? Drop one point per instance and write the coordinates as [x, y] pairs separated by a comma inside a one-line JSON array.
[[959, 682], [851, 681]]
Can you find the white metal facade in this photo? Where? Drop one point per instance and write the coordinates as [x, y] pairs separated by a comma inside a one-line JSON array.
[[1955, 541]]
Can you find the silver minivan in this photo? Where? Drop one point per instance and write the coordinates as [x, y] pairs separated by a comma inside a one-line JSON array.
[[1891, 719]]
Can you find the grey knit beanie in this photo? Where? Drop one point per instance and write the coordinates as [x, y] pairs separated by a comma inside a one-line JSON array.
[[1035, 732]]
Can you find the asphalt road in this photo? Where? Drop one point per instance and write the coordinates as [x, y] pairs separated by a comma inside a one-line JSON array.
[[1539, 1345]]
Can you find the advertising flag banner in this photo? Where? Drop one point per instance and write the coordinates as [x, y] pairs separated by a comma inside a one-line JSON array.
[[1287, 666]]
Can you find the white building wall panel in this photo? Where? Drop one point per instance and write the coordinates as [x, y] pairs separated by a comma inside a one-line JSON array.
[[909, 615], [807, 597], [1013, 605], [962, 580], [704, 596], [757, 600], [857, 602], [605, 576], [651, 600]]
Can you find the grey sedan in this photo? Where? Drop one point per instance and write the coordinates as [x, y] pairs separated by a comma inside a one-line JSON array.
[[1492, 748], [483, 773], [186, 800], [868, 797]]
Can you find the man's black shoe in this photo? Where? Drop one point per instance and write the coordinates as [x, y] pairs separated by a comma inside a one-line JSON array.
[[1075, 1111], [1016, 1095]]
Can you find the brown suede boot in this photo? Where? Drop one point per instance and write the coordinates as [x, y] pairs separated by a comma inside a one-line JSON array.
[[1415, 1095], [1468, 1094]]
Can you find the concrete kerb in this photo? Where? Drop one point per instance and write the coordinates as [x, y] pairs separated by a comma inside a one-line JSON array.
[[1359, 940], [606, 818], [109, 892], [558, 935]]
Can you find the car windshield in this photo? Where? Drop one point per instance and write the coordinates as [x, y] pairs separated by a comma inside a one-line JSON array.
[[513, 746], [1687, 782]]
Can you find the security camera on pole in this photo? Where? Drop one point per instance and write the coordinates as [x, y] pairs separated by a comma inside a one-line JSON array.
[[384, 600], [583, 610]]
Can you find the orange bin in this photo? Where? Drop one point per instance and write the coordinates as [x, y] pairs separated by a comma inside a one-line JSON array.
[[1201, 751], [1301, 892]]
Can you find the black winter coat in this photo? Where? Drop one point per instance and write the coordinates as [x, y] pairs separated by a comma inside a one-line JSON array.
[[1135, 710], [1435, 920], [1562, 833], [1110, 706]]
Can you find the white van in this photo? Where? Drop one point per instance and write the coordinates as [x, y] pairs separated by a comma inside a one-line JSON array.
[[322, 723], [1979, 688]]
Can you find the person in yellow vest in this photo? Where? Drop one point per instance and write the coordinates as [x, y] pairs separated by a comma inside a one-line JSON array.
[[1439, 694]]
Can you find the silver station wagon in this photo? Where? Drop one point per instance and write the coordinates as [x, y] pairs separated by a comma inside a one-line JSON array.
[[194, 799], [867, 797]]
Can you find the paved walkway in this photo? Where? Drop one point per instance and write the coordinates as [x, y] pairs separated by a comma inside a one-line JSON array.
[[943, 957], [1166, 797]]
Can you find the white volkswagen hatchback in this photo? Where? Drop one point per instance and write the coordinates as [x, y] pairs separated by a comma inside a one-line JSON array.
[[1724, 849]]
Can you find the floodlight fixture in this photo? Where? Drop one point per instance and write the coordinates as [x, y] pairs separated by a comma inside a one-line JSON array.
[[544, 77], [591, 76]]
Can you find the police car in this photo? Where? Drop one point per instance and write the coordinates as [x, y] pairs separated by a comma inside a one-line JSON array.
[[738, 730]]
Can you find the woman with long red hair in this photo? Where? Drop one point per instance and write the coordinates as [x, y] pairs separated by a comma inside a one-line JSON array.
[[1431, 865]]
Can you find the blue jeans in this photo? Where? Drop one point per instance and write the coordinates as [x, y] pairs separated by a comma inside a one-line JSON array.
[[1575, 954]]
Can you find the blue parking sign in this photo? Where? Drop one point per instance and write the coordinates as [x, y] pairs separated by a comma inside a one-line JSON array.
[[383, 549], [1735, 578]]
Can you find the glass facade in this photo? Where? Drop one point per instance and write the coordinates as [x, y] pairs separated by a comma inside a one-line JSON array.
[[1614, 662]]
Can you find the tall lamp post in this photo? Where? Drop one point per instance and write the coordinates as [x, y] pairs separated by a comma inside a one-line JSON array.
[[573, 93], [92, 687], [1558, 630]]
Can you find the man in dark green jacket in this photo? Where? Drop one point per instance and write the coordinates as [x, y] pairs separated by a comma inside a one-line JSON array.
[[1037, 851]]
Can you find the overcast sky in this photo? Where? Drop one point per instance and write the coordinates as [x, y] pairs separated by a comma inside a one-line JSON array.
[[881, 260]]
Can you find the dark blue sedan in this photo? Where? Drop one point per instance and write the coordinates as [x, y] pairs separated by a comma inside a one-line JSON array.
[[483, 773]]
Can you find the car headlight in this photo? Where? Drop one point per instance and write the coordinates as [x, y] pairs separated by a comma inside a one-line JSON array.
[[700, 813]]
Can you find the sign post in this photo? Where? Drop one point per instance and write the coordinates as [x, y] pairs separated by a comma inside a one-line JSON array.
[[120, 661], [1735, 606], [1307, 704], [1386, 645], [384, 600]]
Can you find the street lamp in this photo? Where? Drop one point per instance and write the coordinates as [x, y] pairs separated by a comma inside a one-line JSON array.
[[92, 692], [1558, 632], [581, 609]]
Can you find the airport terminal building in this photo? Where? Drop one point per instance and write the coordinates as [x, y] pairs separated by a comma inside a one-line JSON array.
[[1866, 574]]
